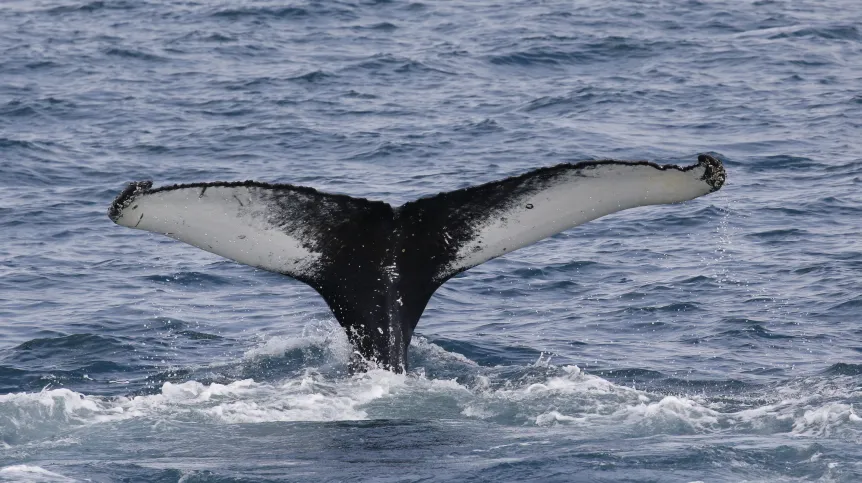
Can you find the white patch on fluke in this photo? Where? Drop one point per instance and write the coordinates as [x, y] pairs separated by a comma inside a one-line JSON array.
[[576, 197], [228, 221]]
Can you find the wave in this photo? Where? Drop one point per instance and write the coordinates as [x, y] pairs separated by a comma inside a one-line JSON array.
[[389, 149], [274, 12], [84, 342], [133, 54], [787, 163], [754, 331], [18, 109], [467, 354], [780, 234], [381, 26], [853, 303], [479, 127], [90, 7], [15, 143], [605, 49], [834, 32], [388, 63], [670, 308], [844, 369], [314, 10], [538, 395], [190, 279], [31, 474], [313, 77]]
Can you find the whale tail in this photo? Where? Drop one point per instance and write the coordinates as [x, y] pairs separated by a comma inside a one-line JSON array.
[[377, 266]]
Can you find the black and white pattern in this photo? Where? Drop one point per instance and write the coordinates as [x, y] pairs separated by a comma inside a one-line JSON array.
[[377, 266]]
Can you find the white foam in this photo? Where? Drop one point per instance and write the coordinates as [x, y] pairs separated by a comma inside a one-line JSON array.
[[309, 398], [31, 474], [544, 395], [565, 398], [587, 401], [554, 417], [826, 420], [26, 416], [324, 335], [672, 414], [279, 345], [433, 351]]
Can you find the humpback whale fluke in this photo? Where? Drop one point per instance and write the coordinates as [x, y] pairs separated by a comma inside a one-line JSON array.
[[377, 266]]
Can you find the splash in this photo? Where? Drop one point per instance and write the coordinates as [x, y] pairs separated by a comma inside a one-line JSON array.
[[539, 395], [31, 474]]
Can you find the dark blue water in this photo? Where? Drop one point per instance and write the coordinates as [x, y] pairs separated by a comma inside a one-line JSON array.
[[717, 340]]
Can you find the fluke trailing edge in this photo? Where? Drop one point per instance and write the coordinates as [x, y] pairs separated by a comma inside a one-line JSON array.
[[377, 266]]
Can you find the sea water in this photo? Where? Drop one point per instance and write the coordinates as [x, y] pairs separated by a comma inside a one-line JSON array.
[[716, 340]]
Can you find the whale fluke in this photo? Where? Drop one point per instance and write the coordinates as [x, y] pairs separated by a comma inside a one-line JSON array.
[[377, 266]]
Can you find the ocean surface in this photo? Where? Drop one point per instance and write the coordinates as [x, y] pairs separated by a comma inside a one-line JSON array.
[[715, 340]]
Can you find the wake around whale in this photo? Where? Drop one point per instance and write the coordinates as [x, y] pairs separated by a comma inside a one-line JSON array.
[[375, 265]]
